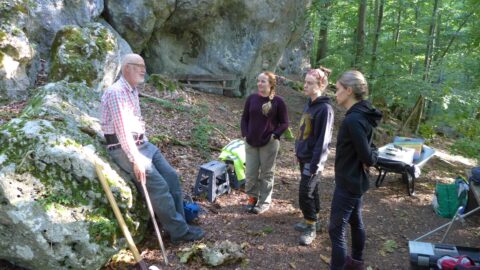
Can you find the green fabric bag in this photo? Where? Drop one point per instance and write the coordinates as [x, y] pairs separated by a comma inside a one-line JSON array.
[[449, 197]]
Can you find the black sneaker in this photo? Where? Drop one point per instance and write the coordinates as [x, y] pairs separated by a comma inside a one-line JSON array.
[[193, 234], [260, 208], [302, 226], [308, 235]]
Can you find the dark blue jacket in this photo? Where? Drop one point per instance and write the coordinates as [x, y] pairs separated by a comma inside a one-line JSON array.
[[315, 133], [354, 147]]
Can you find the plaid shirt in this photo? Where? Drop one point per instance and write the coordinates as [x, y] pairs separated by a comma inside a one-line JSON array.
[[121, 116]]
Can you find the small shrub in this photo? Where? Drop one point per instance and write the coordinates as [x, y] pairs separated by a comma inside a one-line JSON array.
[[427, 131], [467, 147]]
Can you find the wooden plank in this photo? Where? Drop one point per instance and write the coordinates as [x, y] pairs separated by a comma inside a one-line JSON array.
[[207, 86], [206, 77]]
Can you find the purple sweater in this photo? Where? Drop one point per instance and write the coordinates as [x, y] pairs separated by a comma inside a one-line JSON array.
[[258, 128]]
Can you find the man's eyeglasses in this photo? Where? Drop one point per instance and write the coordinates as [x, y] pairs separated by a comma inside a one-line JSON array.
[[137, 65]]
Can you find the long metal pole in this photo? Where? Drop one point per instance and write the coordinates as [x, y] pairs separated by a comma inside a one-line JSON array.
[[152, 215], [447, 224]]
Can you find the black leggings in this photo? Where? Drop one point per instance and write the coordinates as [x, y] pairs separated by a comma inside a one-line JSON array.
[[308, 197]]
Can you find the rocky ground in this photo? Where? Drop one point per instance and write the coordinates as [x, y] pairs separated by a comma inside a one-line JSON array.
[[191, 127]]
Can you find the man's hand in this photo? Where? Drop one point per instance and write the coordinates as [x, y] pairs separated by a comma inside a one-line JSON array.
[[139, 170]]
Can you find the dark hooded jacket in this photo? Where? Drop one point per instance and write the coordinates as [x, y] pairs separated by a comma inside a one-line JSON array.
[[315, 133], [355, 147]]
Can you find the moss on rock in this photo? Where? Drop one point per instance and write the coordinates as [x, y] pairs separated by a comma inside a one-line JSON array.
[[78, 53], [59, 157], [163, 83]]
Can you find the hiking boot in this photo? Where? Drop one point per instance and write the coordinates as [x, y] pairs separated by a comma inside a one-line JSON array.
[[252, 201], [302, 226], [260, 208], [193, 234], [308, 235], [352, 264]]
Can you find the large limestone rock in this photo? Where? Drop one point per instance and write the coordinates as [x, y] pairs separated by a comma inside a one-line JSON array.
[[240, 37], [210, 37], [295, 60], [16, 51], [27, 31], [47, 17], [53, 213], [135, 20], [89, 54], [123, 46]]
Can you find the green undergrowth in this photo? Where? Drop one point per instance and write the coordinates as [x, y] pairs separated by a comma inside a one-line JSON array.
[[163, 83], [169, 105], [202, 132]]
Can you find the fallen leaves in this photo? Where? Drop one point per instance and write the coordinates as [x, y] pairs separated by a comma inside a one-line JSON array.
[[389, 246], [325, 259], [214, 254]]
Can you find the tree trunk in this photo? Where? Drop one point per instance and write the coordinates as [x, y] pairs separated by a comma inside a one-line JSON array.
[[360, 37], [378, 27], [438, 28], [372, 26], [414, 33], [430, 42], [415, 116], [322, 46], [396, 36]]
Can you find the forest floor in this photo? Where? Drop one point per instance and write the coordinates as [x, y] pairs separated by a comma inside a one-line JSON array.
[[209, 122]]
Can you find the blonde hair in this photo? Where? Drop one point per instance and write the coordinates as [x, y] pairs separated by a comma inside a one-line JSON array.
[[266, 107], [321, 74], [355, 80]]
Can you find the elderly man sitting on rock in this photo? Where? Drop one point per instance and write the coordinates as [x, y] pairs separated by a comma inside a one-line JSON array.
[[124, 131]]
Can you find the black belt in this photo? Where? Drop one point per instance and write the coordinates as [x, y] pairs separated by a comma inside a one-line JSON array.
[[113, 139]]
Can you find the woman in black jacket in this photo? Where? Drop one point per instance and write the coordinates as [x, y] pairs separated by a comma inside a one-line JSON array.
[[311, 148], [354, 154]]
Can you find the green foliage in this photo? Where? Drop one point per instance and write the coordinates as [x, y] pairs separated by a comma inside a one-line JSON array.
[[289, 135], [468, 147], [399, 77], [202, 133], [102, 228], [267, 230], [163, 83], [162, 138], [50, 199], [167, 104], [427, 131]]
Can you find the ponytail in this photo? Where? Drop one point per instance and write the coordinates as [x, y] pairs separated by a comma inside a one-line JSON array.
[[266, 107]]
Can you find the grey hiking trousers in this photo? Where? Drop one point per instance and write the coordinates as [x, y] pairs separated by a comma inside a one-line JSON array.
[[163, 187], [259, 171]]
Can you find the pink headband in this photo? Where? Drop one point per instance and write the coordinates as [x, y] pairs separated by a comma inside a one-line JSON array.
[[317, 73]]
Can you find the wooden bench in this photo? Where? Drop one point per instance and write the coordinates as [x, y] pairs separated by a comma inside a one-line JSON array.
[[214, 83]]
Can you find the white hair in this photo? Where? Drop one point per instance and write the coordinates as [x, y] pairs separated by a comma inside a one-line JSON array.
[[128, 58]]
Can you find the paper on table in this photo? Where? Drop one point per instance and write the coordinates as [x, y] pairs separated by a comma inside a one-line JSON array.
[[420, 248]]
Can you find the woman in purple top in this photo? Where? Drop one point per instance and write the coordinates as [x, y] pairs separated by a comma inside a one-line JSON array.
[[264, 120]]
